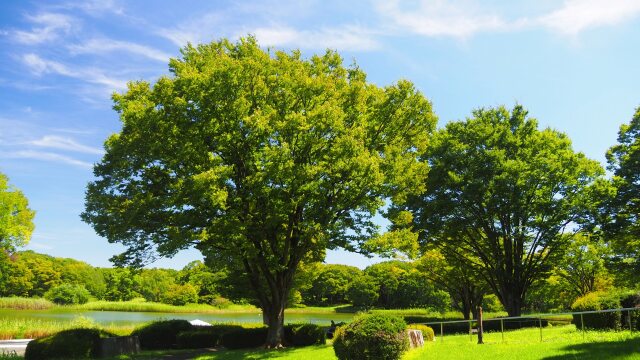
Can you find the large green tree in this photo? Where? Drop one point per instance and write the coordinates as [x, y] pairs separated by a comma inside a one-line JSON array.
[[257, 158], [501, 192], [16, 219], [621, 220]]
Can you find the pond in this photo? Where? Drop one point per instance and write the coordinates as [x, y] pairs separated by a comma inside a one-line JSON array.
[[124, 318]]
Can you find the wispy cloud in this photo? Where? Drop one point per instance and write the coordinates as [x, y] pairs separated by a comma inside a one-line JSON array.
[[576, 16], [44, 156], [47, 27], [104, 45], [440, 18], [39, 66], [195, 31], [348, 37], [64, 143]]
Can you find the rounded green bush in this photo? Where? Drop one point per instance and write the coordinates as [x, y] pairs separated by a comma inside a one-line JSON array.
[[67, 344], [305, 334], [197, 339], [68, 294], [598, 301], [427, 331], [371, 337], [245, 338], [161, 334]]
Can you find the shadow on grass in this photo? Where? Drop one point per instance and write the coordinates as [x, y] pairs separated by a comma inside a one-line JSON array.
[[600, 350], [307, 352]]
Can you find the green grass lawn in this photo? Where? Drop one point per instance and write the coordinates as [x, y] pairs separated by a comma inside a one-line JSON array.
[[558, 343]]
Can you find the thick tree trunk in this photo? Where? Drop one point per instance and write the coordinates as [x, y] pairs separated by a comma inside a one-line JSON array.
[[512, 303], [275, 322]]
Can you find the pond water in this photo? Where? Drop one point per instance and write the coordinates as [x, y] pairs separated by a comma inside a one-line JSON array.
[[124, 318]]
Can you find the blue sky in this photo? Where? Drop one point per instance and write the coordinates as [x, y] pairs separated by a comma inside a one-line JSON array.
[[574, 64]]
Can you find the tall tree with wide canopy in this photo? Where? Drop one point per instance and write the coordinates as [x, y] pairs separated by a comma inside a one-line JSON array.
[[621, 213], [256, 158], [501, 192]]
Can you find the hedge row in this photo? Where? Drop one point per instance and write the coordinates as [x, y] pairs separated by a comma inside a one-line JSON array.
[[371, 337], [610, 320], [171, 334], [67, 344]]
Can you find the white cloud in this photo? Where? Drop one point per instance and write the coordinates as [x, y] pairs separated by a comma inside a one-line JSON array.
[[195, 31], [576, 16], [436, 18], [103, 45], [64, 143], [349, 37], [47, 27], [44, 156], [41, 66]]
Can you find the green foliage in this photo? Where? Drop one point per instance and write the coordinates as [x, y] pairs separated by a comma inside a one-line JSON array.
[[499, 193], [305, 334], [620, 210], [263, 159], [66, 294], [244, 338], [329, 284], [67, 344], [598, 301], [363, 291], [16, 219], [196, 339], [371, 337], [161, 334], [180, 295], [427, 331], [22, 303]]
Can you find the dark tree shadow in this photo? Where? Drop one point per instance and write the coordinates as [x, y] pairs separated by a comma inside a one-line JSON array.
[[600, 350]]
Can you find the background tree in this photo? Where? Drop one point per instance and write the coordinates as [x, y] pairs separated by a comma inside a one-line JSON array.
[[16, 219], [329, 285], [622, 212], [259, 159], [503, 192], [458, 277]]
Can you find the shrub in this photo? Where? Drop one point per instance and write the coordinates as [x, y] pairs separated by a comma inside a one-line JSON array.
[[305, 334], [180, 295], [67, 344], [161, 334], [427, 331], [631, 300], [371, 337], [597, 301], [67, 294], [244, 338], [196, 339]]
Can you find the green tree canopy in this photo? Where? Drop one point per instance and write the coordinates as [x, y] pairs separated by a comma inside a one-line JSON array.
[[622, 212], [257, 158], [16, 219], [501, 192]]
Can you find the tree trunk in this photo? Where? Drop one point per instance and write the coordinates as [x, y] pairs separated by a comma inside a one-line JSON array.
[[512, 303], [275, 322]]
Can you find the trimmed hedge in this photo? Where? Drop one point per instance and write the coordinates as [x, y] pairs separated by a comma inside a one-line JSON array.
[[197, 339], [601, 300], [372, 337], [161, 335], [305, 334], [244, 338], [427, 331], [67, 344]]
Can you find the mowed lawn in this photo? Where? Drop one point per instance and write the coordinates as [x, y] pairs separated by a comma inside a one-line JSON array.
[[558, 343]]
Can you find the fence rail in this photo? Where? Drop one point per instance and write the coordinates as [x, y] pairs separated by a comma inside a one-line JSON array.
[[537, 318]]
